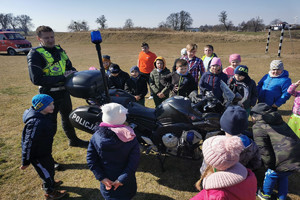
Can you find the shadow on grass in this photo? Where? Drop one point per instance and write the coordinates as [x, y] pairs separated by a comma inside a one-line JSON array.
[[285, 112], [64, 167], [180, 174]]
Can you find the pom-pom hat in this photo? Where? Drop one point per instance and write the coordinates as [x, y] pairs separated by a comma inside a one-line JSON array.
[[276, 64], [222, 152], [113, 113], [41, 101]]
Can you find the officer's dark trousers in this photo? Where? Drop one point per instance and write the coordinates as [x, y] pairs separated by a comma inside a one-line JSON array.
[[45, 169], [63, 105]]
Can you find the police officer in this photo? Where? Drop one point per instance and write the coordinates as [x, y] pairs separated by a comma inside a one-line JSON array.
[[48, 67]]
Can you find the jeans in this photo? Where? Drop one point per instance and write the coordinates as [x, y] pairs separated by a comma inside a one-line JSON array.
[[280, 178]]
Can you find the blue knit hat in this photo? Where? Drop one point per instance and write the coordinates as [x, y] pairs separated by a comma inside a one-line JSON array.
[[234, 120], [41, 101], [134, 68]]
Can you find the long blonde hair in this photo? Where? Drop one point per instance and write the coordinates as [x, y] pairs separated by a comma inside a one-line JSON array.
[[208, 171]]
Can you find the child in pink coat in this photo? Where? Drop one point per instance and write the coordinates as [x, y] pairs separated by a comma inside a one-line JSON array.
[[225, 177], [294, 121], [234, 60]]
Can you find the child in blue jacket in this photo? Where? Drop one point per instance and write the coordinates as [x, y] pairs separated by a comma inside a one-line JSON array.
[[113, 154], [37, 139]]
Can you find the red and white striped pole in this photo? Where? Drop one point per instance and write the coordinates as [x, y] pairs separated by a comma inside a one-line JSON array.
[[281, 39], [268, 41]]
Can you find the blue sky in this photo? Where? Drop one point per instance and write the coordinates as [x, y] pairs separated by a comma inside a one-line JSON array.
[[59, 13]]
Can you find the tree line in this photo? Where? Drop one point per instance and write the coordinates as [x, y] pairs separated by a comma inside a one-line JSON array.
[[179, 21]]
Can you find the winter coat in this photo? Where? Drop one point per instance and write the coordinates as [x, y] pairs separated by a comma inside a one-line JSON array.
[[138, 88], [155, 83], [186, 84], [118, 82], [109, 157], [296, 107], [212, 82], [273, 90], [279, 146], [245, 190], [37, 135], [250, 86]]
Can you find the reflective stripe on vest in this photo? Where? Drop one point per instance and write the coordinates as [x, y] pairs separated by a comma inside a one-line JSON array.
[[51, 68]]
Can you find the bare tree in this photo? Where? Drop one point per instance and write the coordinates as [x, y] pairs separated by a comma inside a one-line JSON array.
[[224, 20], [14, 23], [173, 21], [257, 24], [25, 23], [128, 24], [275, 21], [5, 20], [76, 26], [185, 20], [101, 20]]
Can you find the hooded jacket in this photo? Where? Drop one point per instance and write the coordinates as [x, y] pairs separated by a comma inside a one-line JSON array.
[[278, 144], [156, 76], [211, 82], [109, 157], [273, 90], [245, 190], [250, 86], [37, 136], [118, 82]]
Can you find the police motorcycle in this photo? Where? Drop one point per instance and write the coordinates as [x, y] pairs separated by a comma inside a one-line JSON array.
[[173, 128]]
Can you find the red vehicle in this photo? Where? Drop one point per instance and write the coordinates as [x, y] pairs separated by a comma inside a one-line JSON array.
[[13, 43]]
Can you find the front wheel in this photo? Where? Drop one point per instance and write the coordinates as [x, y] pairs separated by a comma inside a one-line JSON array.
[[11, 52]]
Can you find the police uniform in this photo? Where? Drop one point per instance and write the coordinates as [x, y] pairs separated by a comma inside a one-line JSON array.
[[46, 69]]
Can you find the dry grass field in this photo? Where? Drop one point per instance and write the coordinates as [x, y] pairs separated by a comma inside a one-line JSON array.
[[177, 183]]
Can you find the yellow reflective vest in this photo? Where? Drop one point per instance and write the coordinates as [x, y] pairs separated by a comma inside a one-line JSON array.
[[53, 68]]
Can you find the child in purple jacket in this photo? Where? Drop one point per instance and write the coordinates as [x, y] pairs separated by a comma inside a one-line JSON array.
[[294, 121]]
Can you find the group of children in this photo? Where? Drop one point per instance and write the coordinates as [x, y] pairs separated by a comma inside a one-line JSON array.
[[113, 152]]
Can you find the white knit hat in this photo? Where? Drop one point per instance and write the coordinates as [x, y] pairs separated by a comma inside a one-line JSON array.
[[276, 64], [114, 114]]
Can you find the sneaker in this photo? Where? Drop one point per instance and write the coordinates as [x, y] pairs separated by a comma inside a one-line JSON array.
[[56, 194], [263, 196], [78, 143], [56, 184], [151, 97]]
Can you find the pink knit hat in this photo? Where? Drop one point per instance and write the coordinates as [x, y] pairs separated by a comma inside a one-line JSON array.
[[222, 152], [216, 61], [235, 57]]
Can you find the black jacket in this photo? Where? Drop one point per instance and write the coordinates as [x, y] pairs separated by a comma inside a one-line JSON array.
[[138, 88], [36, 63], [118, 82], [37, 135]]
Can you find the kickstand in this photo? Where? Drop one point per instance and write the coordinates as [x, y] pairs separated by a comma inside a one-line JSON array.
[[162, 160]]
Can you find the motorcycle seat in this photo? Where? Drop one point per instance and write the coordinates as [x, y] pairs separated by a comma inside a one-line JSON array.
[[135, 109]]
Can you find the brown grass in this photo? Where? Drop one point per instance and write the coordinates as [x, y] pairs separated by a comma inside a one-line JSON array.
[[177, 182]]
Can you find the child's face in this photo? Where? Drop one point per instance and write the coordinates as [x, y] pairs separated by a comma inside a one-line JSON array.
[[182, 69], [235, 63], [276, 72], [145, 49], [239, 77], [114, 74], [160, 64], [208, 51], [191, 53], [48, 109], [215, 69], [106, 64], [134, 73]]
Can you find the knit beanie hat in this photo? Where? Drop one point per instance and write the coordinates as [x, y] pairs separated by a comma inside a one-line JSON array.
[[106, 58], [134, 68], [222, 152], [235, 57], [216, 61], [241, 70], [234, 120], [41, 101], [183, 52], [114, 69], [113, 113], [276, 64]]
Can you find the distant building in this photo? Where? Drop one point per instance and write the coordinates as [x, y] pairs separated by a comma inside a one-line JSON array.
[[193, 29], [278, 27]]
